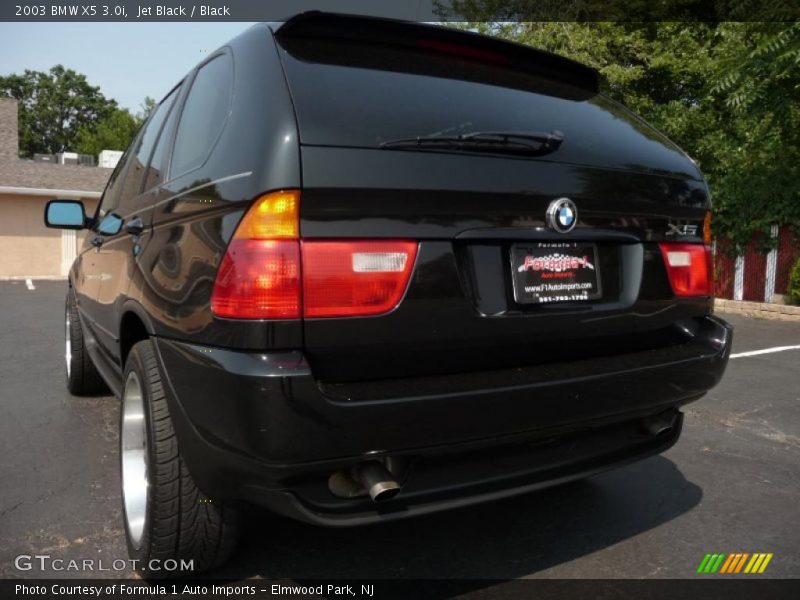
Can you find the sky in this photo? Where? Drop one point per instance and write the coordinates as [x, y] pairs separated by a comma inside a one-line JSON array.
[[128, 61]]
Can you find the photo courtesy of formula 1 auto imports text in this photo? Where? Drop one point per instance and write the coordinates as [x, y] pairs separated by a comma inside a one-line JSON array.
[[374, 299]]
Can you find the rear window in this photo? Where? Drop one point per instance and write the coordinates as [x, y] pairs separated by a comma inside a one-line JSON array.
[[361, 95]]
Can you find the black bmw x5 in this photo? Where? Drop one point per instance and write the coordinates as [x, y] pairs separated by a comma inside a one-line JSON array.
[[354, 269]]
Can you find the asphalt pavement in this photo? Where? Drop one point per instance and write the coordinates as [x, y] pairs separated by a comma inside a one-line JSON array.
[[731, 484]]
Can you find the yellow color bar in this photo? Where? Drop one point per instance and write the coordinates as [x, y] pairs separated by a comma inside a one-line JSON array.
[[765, 563], [758, 562], [753, 563]]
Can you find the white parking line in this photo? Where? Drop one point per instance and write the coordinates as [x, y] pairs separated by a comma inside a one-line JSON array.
[[30, 285], [765, 351]]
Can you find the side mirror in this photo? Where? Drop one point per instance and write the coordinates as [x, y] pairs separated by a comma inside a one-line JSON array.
[[65, 214]]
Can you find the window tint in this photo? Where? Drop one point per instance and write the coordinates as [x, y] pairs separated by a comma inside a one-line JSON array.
[[143, 147], [346, 95], [110, 199], [204, 114], [158, 162]]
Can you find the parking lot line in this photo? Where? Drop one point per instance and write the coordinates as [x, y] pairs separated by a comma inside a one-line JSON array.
[[765, 351]]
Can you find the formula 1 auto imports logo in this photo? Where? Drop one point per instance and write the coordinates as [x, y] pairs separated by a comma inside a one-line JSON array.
[[735, 562], [555, 262]]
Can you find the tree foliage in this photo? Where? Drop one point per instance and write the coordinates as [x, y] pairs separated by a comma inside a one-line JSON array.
[[113, 132], [728, 93], [53, 107], [794, 284], [147, 106]]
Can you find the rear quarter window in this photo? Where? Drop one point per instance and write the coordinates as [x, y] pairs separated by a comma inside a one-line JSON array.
[[204, 115], [140, 155]]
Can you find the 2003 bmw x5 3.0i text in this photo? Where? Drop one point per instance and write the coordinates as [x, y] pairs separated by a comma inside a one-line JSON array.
[[354, 269]]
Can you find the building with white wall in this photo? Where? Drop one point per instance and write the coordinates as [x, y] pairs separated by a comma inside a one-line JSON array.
[[27, 247]]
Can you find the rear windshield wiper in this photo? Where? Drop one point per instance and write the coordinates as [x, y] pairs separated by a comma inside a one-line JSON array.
[[509, 142]]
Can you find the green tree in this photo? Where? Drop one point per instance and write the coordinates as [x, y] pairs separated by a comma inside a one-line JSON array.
[[147, 106], [114, 132], [53, 107], [758, 78]]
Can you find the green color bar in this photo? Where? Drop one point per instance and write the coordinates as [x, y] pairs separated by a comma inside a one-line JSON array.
[[703, 563], [710, 563], [718, 564]]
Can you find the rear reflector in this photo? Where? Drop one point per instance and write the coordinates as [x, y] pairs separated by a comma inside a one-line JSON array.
[[688, 268], [259, 277], [355, 278]]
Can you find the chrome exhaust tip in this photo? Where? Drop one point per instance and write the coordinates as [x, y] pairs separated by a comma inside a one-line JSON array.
[[376, 479], [660, 423]]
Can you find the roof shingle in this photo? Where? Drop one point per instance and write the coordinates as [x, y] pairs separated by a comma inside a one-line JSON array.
[[17, 173], [29, 174]]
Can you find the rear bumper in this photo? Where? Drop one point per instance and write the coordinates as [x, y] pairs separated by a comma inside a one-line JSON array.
[[261, 428]]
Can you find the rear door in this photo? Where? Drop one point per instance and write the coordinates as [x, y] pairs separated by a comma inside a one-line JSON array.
[[90, 266], [124, 231], [495, 279]]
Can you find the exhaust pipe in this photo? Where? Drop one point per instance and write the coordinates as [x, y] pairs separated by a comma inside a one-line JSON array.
[[660, 423], [376, 479]]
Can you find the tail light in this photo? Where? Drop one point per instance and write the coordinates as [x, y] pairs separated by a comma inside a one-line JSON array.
[[259, 277], [355, 278], [268, 273], [688, 268]]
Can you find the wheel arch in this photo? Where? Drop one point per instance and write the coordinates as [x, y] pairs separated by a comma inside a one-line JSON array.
[[134, 326]]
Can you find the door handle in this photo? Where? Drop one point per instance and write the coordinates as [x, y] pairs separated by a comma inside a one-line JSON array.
[[135, 226]]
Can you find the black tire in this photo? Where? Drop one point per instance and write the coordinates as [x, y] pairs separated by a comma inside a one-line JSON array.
[[83, 379], [180, 521]]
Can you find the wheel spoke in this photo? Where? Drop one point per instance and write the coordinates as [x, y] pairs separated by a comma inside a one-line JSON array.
[[68, 345], [135, 481]]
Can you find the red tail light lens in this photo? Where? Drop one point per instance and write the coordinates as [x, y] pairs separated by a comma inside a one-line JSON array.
[[355, 278], [688, 268], [259, 277]]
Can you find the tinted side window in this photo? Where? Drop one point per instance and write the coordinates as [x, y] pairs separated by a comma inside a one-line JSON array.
[[140, 154], [110, 199], [158, 162], [204, 114]]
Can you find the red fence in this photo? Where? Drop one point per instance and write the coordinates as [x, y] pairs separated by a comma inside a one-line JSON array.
[[755, 275]]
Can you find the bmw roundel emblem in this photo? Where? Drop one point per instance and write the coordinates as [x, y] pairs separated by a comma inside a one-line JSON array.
[[562, 215]]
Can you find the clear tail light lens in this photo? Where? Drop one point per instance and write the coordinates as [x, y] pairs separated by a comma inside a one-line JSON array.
[[355, 278], [688, 267]]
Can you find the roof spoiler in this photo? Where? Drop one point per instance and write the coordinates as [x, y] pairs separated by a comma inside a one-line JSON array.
[[473, 46]]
